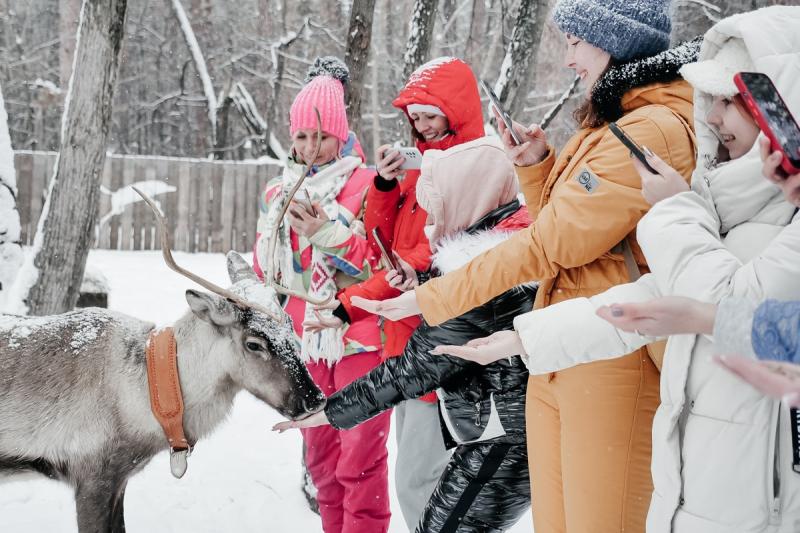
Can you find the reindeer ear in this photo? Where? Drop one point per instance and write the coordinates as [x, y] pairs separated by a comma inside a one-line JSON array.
[[210, 308], [239, 269]]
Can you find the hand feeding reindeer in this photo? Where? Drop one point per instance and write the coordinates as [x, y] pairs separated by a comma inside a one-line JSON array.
[[74, 395]]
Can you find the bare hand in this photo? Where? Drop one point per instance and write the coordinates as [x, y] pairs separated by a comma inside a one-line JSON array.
[[388, 162], [773, 378], [486, 350], [317, 419], [397, 308], [534, 142], [303, 222], [405, 279], [656, 187], [772, 170], [669, 315], [322, 322]]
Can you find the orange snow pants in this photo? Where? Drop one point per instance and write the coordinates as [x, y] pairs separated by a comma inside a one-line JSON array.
[[589, 443]]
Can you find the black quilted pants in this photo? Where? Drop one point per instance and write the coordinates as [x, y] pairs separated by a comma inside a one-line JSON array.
[[485, 488]]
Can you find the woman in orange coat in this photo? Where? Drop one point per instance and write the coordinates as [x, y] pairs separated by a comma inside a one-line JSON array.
[[589, 426]]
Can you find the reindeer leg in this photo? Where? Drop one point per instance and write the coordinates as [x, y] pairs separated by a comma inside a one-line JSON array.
[[118, 512], [99, 496]]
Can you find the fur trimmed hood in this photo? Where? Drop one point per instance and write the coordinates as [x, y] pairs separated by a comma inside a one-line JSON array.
[[609, 90], [455, 251]]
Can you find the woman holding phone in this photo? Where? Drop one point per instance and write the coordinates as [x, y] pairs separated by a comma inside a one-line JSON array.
[[320, 249], [443, 108], [721, 449], [588, 427]]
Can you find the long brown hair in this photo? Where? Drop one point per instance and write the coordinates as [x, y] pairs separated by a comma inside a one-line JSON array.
[[587, 115]]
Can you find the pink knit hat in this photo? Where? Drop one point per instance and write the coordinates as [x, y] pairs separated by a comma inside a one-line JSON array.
[[324, 90]]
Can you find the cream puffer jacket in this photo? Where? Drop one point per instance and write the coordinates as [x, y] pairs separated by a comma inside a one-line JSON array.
[[721, 451]]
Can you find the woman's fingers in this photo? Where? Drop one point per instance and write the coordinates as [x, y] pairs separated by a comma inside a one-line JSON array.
[[462, 352], [317, 419]]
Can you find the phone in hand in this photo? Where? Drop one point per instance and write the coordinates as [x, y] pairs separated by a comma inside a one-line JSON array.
[[305, 201], [772, 116], [631, 145], [413, 157], [502, 112], [384, 248]]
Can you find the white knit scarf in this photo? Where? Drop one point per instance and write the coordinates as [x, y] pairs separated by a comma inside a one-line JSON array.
[[323, 188]]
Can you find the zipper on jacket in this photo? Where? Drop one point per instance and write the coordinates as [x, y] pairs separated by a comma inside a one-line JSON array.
[[775, 511], [478, 414]]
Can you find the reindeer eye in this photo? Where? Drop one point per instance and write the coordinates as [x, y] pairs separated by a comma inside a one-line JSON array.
[[255, 346]]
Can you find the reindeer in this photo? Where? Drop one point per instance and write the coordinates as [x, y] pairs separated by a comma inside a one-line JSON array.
[[74, 397]]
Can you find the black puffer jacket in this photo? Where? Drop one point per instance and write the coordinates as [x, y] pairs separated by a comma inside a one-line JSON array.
[[482, 403]]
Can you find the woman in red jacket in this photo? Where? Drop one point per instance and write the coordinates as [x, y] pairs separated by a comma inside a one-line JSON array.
[[442, 104]]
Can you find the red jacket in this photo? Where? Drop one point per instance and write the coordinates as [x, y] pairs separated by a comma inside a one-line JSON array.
[[450, 85]]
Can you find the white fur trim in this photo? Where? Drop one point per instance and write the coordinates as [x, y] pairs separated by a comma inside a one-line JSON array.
[[457, 250], [715, 76], [424, 108]]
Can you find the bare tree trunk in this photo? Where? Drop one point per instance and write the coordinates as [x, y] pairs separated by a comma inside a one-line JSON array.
[[474, 51], [420, 35], [68, 13], [66, 228], [10, 246], [199, 64], [514, 80], [359, 37]]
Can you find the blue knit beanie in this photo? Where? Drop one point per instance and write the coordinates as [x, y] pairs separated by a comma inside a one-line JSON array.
[[626, 29]]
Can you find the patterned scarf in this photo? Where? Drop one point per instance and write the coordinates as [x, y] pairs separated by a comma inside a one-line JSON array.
[[318, 278]]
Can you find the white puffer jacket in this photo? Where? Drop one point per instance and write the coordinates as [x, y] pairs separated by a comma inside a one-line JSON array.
[[721, 451]]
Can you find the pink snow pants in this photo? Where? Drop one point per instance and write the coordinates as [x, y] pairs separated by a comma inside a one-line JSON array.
[[349, 468]]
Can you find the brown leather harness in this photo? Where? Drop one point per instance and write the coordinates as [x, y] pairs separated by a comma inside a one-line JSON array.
[[166, 399]]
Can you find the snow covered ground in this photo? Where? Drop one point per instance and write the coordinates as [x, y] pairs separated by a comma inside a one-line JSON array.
[[229, 487]]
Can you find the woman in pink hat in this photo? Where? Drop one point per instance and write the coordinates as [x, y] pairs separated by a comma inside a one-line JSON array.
[[318, 253]]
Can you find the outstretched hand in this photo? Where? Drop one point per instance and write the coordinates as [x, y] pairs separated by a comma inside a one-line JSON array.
[[772, 378], [669, 315], [656, 187], [486, 350], [317, 419], [397, 308]]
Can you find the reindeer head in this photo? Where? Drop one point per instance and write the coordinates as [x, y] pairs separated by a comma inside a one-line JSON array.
[[265, 359], [269, 364]]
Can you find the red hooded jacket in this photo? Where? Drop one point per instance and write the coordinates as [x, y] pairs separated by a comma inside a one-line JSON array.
[[449, 84]]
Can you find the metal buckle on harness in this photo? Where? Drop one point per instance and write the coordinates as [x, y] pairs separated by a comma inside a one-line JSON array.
[[177, 460]]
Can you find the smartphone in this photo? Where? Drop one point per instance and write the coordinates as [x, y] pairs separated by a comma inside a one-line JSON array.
[[305, 201], [502, 112], [772, 116], [413, 157], [376, 234], [631, 145]]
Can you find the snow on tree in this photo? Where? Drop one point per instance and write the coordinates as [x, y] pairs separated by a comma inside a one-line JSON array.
[[10, 247], [420, 33], [514, 80], [359, 38], [65, 230], [200, 66]]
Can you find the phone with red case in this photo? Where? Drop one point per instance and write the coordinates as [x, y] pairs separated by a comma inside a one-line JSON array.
[[772, 116]]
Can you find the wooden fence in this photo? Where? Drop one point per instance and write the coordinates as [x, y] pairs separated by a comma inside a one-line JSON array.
[[214, 207]]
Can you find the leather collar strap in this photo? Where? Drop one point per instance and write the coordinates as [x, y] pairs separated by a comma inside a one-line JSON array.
[[166, 399]]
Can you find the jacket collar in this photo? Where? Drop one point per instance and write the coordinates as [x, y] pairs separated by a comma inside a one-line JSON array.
[[625, 86]]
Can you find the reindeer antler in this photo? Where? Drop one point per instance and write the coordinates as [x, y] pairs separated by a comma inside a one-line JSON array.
[[165, 249], [269, 271]]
